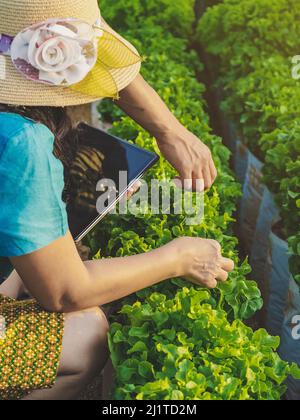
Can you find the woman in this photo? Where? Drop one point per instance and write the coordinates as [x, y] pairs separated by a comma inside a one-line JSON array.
[[53, 55]]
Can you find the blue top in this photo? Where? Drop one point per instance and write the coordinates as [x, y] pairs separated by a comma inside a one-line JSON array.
[[32, 213]]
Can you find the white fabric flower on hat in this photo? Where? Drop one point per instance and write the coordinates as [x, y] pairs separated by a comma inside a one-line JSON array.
[[57, 52]]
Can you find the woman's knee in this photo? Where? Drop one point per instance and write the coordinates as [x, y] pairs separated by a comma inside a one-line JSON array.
[[85, 346], [96, 323]]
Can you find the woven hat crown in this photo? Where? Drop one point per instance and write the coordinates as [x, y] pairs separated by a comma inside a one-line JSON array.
[[118, 62], [16, 15]]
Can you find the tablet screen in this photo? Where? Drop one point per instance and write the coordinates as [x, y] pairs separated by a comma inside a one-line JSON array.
[[102, 163]]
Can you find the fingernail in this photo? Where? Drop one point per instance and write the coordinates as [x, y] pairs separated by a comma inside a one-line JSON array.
[[200, 185], [188, 184], [178, 183]]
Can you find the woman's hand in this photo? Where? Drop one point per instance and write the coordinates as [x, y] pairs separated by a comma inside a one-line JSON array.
[[189, 156], [200, 261], [61, 282], [186, 153], [134, 189]]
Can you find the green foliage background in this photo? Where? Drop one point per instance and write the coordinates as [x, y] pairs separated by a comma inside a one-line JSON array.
[[175, 341], [253, 44]]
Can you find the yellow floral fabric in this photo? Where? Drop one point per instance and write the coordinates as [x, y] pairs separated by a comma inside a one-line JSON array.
[[30, 347]]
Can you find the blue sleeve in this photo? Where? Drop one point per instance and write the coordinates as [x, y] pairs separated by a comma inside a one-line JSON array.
[[32, 213]]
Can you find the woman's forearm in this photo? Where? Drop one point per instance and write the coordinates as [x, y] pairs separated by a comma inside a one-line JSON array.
[[112, 279], [109, 280], [143, 104], [61, 282]]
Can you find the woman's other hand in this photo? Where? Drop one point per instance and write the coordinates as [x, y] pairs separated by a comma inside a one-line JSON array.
[[134, 189], [200, 261], [191, 158]]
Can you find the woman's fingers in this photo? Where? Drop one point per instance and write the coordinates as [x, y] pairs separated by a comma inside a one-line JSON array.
[[209, 281], [198, 182], [222, 275], [186, 184], [207, 177], [227, 264], [136, 186], [212, 284], [213, 170], [132, 190]]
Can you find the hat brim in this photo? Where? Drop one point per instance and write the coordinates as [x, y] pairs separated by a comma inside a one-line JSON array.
[[15, 89]]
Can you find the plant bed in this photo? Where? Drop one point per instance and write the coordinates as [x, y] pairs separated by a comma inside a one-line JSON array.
[[252, 55], [245, 38], [175, 341]]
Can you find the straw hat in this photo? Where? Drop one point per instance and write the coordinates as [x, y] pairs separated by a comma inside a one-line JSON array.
[[110, 62]]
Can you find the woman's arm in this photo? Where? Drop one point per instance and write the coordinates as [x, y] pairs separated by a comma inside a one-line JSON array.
[[186, 153], [61, 282]]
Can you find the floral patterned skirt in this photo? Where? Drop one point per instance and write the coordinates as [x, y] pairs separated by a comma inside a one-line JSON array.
[[30, 347]]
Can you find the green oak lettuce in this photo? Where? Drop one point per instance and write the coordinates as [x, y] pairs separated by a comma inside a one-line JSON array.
[[184, 348], [175, 340], [251, 44]]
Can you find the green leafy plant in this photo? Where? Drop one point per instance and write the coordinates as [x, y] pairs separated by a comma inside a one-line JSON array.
[[174, 340], [184, 348], [177, 17], [252, 43]]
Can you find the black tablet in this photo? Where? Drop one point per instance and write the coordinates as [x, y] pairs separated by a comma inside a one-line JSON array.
[[104, 167]]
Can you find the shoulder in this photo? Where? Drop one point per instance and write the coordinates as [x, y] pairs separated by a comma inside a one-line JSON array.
[[32, 213], [25, 143], [11, 123], [17, 130]]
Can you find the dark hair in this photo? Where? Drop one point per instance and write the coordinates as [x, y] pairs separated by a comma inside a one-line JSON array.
[[59, 122]]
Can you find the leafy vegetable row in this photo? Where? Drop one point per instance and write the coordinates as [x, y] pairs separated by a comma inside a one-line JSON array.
[[253, 43], [170, 341], [207, 358], [166, 69]]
